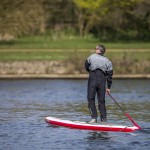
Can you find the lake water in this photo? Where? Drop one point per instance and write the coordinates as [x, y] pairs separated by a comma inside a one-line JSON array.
[[24, 104]]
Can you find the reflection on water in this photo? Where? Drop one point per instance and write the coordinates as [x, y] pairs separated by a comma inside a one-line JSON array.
[[98, 136], [26, 103]]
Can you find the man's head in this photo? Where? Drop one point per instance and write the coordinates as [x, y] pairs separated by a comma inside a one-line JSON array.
[[100, 49]]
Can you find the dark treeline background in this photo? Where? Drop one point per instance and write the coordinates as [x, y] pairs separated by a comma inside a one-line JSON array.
[[113, 20]]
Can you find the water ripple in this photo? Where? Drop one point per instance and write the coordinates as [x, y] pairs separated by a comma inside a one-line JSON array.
[[26, 103]]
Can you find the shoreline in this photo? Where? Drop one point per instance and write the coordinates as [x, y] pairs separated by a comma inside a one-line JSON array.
[[69, 76]]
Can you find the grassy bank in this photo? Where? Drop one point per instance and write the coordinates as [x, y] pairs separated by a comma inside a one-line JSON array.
[[70, 42], [51, 48], [63, 54], [130, 58], [124, 61]]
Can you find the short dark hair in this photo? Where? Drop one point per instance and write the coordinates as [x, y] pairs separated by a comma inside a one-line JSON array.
[[101, 48]]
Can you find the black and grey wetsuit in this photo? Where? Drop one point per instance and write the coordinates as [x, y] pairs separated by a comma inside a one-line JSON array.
[[100, 71]]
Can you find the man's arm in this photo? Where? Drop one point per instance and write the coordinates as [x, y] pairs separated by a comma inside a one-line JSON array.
[[109, 80], [87, 66], [109, 75]]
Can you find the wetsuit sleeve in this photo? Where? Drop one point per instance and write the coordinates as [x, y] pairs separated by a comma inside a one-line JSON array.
[[87, 66], [109, 75]]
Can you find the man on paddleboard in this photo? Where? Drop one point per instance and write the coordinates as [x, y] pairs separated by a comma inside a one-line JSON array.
[[100, 72]]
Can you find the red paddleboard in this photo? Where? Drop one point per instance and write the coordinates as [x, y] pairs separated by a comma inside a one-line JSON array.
[[87, 126]]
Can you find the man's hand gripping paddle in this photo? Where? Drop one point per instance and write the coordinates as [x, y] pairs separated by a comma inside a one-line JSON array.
[[126, 114]]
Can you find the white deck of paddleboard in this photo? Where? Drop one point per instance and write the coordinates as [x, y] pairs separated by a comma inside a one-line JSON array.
[[87, 124]]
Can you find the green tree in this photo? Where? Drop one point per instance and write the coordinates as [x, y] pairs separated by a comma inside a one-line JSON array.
[[89, 13], [126, 20], [115, 19], [21, 17], [106, 19], [59, 12]]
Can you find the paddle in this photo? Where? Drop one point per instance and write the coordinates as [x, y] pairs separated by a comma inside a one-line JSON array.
[[126, 114]]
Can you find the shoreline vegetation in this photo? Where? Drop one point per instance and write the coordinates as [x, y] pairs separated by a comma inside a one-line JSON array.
[[63, 70], [40, 57]]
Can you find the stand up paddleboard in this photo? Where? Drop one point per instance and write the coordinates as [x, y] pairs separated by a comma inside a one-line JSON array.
[[87, 126]]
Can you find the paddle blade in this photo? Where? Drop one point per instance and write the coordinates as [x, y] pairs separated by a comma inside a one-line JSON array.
[[127, 115]]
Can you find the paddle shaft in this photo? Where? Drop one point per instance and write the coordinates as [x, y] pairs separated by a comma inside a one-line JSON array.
[[127, 115]]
